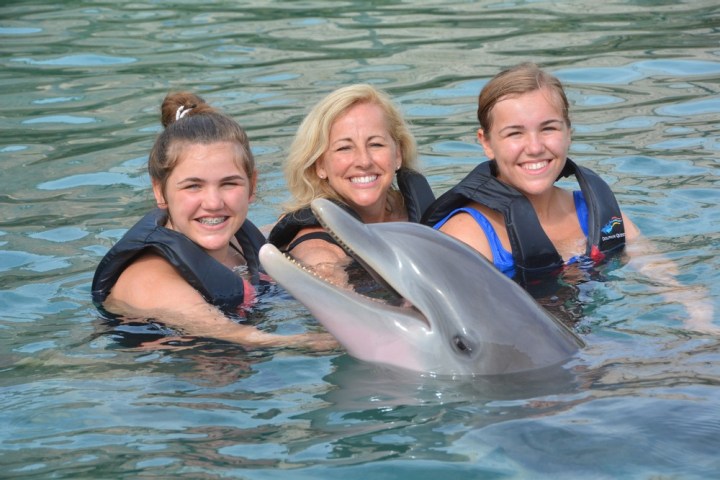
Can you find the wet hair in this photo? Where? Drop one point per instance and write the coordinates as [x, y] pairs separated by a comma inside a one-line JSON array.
[[520, 79], [188, 119], [313, 137]]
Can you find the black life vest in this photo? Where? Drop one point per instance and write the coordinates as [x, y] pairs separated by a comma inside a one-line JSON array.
[[413, 186], [218, 284], [532, 250]]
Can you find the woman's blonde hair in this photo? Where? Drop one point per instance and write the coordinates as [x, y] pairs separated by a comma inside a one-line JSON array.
[[312, 140]]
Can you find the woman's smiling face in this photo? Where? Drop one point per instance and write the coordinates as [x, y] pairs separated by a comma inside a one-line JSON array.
[[208, 195], [361, 159]]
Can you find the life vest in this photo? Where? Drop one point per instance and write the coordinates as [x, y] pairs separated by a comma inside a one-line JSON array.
[[532, 250], [218, 284], [413, 186]]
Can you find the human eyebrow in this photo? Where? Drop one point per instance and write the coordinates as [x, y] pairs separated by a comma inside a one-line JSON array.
[[341, 140], [551, 122], [546, 123], [234, 178], [378, 137], [229, 178]]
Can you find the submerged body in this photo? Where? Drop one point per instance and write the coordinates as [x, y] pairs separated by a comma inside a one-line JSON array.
[[466, 317]]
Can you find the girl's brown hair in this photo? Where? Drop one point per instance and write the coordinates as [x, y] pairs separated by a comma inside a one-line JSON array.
[[188, 119], [523, 78]]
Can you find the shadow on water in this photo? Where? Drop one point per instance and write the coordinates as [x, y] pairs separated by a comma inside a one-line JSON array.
[[568, 412], [370, 413]]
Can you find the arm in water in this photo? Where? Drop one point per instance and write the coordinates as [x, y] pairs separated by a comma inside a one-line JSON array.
[[158, 292], [648, 260]]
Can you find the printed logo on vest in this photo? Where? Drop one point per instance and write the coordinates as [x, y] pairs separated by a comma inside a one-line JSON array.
[[608, 231]]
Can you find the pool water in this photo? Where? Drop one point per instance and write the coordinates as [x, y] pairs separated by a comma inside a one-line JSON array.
[[82, 82]]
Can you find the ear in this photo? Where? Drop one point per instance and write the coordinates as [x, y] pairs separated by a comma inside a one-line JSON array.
[[320, 169], [398, 158], [485, 142], [159, 196]]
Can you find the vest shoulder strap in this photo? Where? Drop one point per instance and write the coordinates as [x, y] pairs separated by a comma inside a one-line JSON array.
[[416, 192], [606, 232]]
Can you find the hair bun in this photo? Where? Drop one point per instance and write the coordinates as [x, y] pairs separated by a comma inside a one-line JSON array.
[[180, 105]]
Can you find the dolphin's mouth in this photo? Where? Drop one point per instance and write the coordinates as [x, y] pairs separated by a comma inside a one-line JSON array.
[[387, 289], [362, 280]]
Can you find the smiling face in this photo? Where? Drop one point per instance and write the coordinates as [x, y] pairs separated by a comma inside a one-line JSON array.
[[529, 139], [207, 195], [361, 160]]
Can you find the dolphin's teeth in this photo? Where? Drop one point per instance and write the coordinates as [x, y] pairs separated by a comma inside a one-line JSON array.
[[305, 268], [315, 274], [337, 239]]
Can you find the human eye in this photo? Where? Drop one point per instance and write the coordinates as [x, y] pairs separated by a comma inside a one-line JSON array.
[[232, 182], [376, 141], [553, 126]]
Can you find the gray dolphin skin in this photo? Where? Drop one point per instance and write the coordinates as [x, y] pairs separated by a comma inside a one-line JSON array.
[[466, 317]]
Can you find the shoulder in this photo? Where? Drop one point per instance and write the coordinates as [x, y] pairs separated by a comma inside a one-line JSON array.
[[466, 228], [465, 223], [632, 232], [313, 251], [149, 281], [290, 225]]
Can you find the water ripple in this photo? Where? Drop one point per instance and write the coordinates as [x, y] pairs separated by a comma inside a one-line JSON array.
[[88, 60]]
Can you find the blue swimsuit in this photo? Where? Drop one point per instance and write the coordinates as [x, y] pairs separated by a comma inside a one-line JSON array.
[[502, 259]]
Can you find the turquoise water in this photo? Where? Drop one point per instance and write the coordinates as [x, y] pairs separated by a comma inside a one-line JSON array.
[[80, 88]]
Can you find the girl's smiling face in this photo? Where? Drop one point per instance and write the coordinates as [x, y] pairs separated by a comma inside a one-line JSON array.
[[208, 195], [529, 139]]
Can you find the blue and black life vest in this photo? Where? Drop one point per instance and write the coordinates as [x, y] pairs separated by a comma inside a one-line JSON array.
[[219, 285], [532, 250], [413, 186]]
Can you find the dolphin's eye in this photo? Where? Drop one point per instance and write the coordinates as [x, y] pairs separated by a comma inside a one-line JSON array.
[[461, 345]]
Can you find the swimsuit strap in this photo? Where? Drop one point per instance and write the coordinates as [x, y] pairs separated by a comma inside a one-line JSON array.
[[310, 236]]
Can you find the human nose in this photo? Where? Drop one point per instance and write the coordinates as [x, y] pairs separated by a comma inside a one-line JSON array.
[[534, 145], [212, 200], [363, 158]]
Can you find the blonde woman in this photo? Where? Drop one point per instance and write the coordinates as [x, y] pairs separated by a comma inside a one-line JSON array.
[[355, 148]]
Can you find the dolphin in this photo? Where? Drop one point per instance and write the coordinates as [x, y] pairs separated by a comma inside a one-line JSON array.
[[464, 317]]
